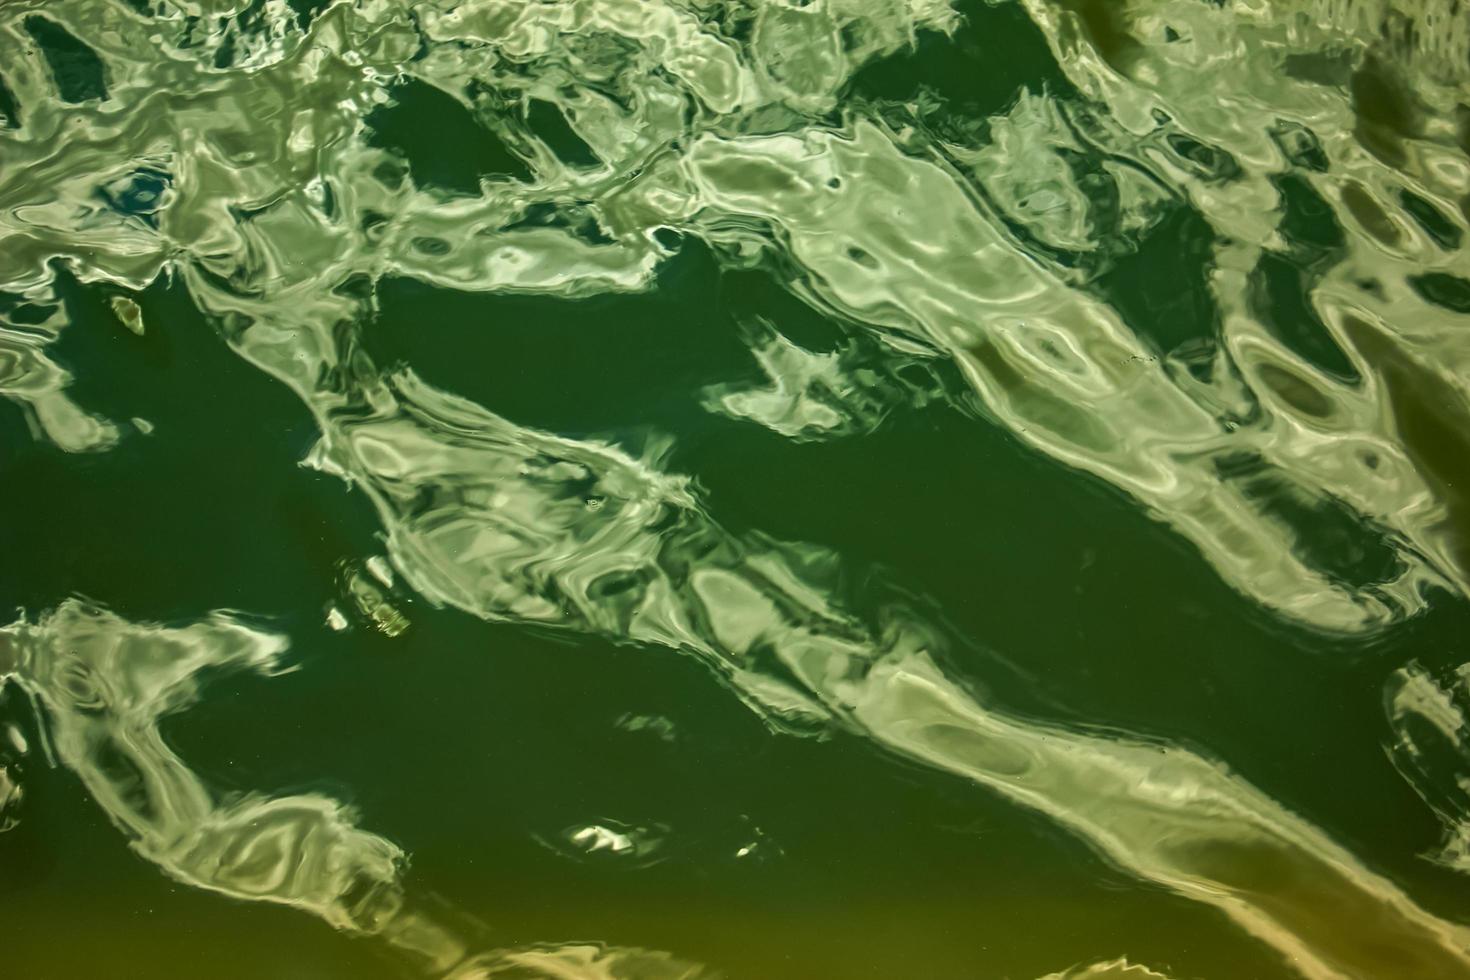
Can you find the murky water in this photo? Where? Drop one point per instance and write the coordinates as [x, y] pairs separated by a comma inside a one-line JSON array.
[[754, 488]]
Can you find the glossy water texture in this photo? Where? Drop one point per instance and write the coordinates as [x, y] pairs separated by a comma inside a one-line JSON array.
[[754, 488]]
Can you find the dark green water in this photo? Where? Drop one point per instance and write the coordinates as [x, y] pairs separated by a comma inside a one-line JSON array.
[[624, 489]]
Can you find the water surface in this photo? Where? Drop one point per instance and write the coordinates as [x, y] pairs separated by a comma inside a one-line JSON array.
[[683, 488]]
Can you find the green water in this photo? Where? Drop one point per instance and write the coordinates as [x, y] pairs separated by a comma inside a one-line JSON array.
[[682, 488]]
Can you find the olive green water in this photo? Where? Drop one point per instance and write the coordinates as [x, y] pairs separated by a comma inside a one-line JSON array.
[[684, 488]]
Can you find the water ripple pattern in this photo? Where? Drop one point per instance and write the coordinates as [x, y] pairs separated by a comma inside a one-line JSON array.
[[277, 160]]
